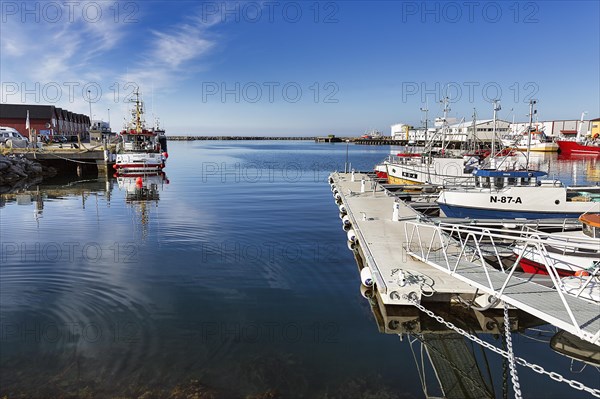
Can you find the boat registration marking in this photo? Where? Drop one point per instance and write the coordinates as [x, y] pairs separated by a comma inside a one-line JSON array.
[[505, 200]]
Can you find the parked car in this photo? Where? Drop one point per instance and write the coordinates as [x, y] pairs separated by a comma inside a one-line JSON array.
[[9, 133], [59, 139]]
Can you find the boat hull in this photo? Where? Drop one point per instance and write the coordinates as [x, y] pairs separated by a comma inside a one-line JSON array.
[[533, 267], [573, 147], [540, 147], [455, 211], [139, 162], [528, 202], [439, 172]]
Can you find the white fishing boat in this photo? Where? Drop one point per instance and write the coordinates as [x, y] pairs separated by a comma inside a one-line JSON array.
[[538, 142], [436, 166], [139, 149], [516, 194], [413, 168]]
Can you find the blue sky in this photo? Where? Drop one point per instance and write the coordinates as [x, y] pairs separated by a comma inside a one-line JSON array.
[[305, 67]]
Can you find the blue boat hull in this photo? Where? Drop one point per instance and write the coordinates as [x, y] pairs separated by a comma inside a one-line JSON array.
[[477, 213]]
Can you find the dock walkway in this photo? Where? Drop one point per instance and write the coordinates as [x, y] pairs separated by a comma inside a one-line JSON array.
[[381, 244], [412, 258]]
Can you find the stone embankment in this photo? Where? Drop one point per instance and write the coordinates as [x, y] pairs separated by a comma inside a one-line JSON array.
[[17, 172]]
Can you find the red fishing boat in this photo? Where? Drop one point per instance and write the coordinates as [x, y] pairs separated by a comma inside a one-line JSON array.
[[590, 147]]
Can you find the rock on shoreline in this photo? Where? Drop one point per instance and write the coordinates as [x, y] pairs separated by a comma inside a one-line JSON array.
[[18, 172]]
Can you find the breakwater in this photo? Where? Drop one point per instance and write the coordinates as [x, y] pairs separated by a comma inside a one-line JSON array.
[[236, 138]]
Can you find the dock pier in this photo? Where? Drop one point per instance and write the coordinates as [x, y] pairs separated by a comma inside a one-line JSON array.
[[70, 158], [414, 261], [377, 222]]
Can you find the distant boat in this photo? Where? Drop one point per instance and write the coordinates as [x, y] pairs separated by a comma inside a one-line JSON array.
[[139, 149], [539, 142], [516, 194]]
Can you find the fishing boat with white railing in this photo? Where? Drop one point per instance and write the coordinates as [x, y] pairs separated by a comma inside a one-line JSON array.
[[516, 194], [139, 149]]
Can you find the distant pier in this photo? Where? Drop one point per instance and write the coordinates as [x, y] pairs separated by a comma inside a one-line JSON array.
[[236, 138]]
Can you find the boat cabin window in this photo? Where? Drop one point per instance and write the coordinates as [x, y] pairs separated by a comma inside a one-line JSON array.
[[512, 181], [499, 182], [525, 181], [486, 182], [477, 182]]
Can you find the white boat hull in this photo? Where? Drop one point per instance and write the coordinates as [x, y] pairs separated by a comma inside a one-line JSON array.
[[513, 202], [139, 162]]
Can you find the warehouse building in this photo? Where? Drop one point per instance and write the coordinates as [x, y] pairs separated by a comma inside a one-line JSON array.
[[46, 120]]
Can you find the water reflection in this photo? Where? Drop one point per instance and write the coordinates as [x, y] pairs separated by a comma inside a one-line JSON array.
[[142, 191], [450, 365], [216, 280]]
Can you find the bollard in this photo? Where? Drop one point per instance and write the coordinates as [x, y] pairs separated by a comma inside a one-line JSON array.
[[362, 185], [396, 213], [353, 179]]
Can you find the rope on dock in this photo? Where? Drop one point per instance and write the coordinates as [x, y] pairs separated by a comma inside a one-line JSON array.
[[517, 360]]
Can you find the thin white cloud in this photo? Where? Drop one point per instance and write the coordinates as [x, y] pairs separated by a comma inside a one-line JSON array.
[[174, 54]]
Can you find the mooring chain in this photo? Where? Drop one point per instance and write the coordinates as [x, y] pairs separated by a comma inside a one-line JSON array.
[[522, 362], [511, 356]]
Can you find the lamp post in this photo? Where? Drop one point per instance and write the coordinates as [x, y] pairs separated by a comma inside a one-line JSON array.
[[346, 164], [109, 117], [90, 101]]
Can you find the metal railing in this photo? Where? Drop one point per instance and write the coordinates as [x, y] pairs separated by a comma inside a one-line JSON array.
[[460, 249]]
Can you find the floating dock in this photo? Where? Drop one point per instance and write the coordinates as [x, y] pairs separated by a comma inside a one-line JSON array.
[[414, 261], [381, 244]]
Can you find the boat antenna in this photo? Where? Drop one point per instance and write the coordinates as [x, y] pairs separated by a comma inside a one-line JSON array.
[[531, 113]]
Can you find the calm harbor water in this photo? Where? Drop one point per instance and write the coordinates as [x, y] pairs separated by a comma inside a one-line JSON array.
[[234, 279]]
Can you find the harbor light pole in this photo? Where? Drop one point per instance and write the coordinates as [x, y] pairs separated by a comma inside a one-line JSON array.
[[346, 164], [109, 117], [90, 101]]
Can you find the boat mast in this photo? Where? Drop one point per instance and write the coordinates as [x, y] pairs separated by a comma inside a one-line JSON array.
[[444, 122], [426, 111], [531, 112], [497, 108], [474, 136], [138, 112]]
